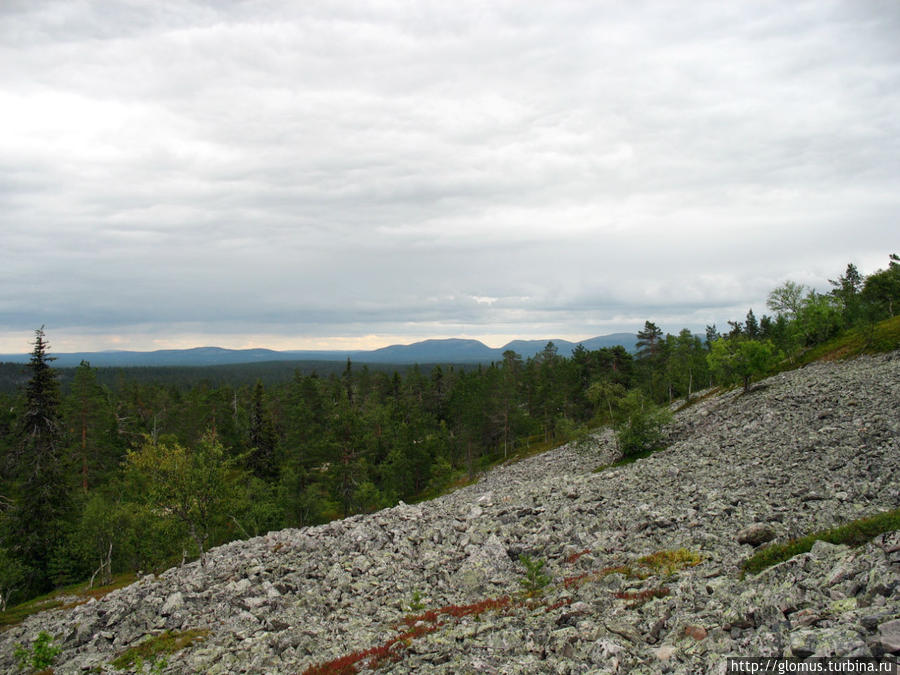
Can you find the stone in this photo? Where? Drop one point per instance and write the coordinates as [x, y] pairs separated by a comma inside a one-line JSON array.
[[173, 603], [696, 632], [665, 652], [889, 636], [756, 534]]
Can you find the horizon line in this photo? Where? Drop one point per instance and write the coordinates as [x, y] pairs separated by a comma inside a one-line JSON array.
[[363, 344]]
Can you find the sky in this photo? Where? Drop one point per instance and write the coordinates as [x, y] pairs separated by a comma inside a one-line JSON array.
[[351, 174]]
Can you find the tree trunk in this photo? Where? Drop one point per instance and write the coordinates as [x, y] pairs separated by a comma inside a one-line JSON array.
[[199, 542]]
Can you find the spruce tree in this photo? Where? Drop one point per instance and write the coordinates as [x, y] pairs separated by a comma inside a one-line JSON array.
[[262, 437], [35, 526]]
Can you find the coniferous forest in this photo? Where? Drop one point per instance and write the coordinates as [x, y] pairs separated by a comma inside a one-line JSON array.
[[102, 477]]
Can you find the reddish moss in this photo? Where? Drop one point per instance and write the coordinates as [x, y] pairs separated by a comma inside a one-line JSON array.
[[346, 665], [431, 616], [572, 559], [458, 611], [556, 605], [420, 625], [638, 598], [577, 580]]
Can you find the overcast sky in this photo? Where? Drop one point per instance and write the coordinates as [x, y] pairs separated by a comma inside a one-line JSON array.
[[340, 174]]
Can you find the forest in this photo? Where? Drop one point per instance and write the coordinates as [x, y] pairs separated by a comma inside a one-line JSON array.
[[104, 475]]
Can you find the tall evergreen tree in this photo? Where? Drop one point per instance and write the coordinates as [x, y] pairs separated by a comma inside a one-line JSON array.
[[651, 352], [262, 437], [93, 449], [847, 289], [36, 520], [649, 341], [751, 325]]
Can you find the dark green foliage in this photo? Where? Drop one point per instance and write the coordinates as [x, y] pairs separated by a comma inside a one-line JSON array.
[[41, 654], [854, 533], [751, 326], [535, 580], [739, 359], [263, 461], [639, 427], [12, 572], [94, 445], [36, 521], [881, 291]]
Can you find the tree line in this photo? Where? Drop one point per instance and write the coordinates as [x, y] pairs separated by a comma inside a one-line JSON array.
[[101, 478]]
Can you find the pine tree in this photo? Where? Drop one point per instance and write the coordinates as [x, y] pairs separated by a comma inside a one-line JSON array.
[[649, 341], [93, 447]]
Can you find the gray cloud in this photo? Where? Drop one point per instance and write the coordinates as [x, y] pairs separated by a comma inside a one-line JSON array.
[[308, 170]]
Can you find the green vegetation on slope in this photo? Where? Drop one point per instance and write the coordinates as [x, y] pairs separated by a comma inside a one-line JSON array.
[[102, 477], [854, 533]]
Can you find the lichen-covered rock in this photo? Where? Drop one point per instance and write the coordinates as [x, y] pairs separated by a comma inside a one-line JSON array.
[[806, 450], [888, 640], [756, 534]]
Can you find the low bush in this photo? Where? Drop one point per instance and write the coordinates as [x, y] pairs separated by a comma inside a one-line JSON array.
[[41, 654], [854, 533]]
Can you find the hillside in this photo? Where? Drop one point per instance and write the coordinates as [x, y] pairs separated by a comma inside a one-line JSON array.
[[643, 559], [426, 351]]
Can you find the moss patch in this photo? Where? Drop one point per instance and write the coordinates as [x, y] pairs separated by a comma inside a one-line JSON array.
[[158, 646], [64, 598], [669, 562], [854, 533]]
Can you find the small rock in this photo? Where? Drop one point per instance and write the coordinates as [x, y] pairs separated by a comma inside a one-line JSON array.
[[623, 630], [173, 603], [696, 632], [756, 534], [889, 636], [665, 652]]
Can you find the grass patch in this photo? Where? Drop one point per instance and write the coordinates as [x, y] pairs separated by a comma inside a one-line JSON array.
[[882, 337], [669, 562], [854, 533], [16, 615], [158, 646], [62, 598]]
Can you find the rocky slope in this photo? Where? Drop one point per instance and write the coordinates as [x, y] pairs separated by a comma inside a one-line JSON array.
[[805, 450]]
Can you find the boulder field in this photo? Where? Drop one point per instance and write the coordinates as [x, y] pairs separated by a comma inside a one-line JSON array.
[[634, 569]]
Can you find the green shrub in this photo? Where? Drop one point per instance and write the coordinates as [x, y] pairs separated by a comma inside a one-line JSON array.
[[416, 604], [640, 428], [535, 580], [41, 654]]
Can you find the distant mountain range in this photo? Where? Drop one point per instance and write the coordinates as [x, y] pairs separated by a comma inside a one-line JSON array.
[[428, 351]]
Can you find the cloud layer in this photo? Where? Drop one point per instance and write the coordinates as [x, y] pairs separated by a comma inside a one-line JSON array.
[[234, 172]]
